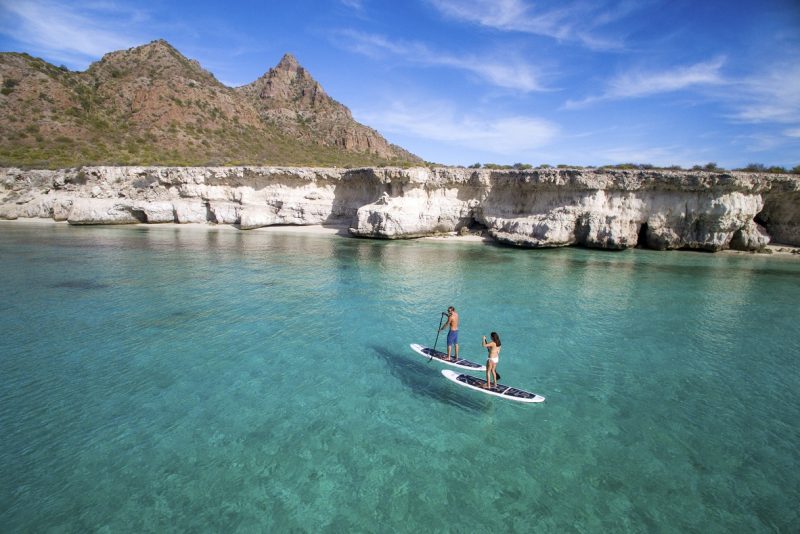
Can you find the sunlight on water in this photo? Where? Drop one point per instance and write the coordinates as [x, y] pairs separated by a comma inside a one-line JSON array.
[[158, 378]]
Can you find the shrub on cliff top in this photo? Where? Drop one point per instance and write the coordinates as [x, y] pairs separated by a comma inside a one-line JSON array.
[[754, 167], [775, 169], [708, 167]]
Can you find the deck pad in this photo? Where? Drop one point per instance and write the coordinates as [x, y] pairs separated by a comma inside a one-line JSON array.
[[440, 356]]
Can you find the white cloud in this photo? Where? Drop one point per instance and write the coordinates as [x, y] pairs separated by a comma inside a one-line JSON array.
[[437, 121], [570, 21], [508, 72], [772, 95], [759, 142], [636, 84], [73, 34], [795, 132], [358, 5]]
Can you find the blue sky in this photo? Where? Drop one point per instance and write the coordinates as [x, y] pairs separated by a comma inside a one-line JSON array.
[[505, 81]]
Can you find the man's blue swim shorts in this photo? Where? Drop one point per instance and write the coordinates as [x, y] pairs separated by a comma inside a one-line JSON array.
[[452, 337]]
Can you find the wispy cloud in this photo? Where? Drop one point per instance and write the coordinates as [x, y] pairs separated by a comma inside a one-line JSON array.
[[76, 34], [508, 72], [637, 84], [438, 121], [771, 95], [759, 142], [358, 5], [577, 21]]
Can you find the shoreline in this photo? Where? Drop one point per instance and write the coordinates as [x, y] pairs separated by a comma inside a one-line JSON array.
[[775, 250]]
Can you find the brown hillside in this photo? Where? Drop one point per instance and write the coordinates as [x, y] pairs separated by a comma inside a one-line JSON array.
[[289, 98], [150, 105]]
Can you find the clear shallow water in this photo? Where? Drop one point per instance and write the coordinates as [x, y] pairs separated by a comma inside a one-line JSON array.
[[158, 378]]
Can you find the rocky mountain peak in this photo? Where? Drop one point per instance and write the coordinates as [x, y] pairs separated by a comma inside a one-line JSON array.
[[288, 97], [288, 63], [289, 86], [157, 59]]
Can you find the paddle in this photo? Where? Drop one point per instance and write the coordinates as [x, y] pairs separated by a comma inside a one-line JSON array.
[[438, 329]]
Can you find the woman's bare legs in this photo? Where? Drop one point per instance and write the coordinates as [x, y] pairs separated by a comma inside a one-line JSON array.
[[490, 369]]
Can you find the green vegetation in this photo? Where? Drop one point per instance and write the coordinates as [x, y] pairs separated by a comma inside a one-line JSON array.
[[8, 86], [241, 145], [709, 167], [775, 169], [754, 167]]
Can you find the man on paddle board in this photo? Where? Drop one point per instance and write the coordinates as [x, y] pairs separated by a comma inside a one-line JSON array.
[[452, 335]]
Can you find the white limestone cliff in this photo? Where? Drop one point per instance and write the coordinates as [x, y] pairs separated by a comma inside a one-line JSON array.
[[598, 208]]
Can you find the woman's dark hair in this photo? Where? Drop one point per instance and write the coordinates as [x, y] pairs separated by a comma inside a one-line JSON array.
[[495, 338]]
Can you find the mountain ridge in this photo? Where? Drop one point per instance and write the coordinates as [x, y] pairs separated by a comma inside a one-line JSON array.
[[151, 105]]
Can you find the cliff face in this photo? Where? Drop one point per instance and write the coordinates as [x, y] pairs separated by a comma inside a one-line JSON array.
[[609, 209]]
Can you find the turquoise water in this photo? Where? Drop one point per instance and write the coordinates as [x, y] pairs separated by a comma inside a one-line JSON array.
[[163, 378]]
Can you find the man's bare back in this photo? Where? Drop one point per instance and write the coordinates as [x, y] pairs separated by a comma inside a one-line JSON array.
[[452, 322]]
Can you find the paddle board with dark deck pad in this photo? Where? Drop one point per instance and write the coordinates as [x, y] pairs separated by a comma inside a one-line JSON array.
[[499, 390], [441, 357]]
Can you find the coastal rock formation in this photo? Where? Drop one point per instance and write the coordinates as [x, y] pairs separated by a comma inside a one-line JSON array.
[[597, 208], [781, 213]]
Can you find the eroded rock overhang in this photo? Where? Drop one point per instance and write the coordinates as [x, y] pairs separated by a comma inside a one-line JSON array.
[[598, 208]]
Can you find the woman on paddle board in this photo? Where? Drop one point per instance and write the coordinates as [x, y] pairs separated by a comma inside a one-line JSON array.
[[494, 356]]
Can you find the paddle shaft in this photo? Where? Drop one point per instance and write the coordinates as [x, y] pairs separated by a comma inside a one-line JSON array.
[[438, 330]]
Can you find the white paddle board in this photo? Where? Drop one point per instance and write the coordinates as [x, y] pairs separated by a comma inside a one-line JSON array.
[[441, 357], [499, 390]]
